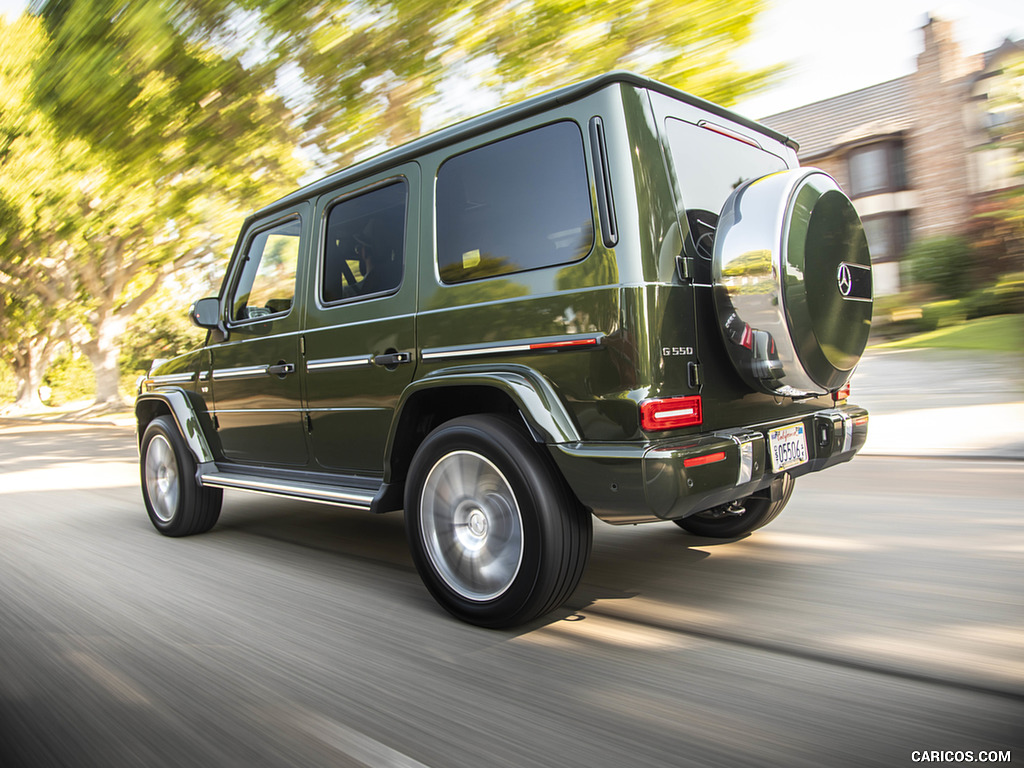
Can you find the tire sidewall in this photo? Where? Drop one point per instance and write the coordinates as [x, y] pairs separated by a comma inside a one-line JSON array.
[[537, 496], [163, 426]]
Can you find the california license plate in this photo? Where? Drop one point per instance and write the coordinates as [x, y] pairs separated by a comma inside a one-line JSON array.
[[788, 446]]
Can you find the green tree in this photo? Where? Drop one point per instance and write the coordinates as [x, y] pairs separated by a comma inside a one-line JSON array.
[[171, 138], [28, 342], [525, 46], [39, 179], [359, 74], [362, 75], [1004, 213]]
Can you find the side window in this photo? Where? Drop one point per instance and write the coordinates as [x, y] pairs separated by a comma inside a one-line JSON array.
[[514, 205], [267, 283], [364, 250]]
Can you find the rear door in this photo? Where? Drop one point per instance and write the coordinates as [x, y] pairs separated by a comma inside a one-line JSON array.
[[709, 156], [360, 342]]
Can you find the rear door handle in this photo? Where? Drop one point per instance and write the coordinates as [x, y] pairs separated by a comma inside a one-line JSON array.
[[393, 359]]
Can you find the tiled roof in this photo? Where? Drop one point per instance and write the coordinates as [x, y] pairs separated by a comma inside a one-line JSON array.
[[878, 110]]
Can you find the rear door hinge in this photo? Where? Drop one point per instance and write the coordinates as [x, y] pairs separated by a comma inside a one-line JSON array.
[[694, 375], [684, 268]]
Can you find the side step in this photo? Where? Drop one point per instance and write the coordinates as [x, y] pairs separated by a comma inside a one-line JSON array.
[[356, 498]]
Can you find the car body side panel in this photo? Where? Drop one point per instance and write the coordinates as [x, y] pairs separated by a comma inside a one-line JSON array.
[[351, 390]]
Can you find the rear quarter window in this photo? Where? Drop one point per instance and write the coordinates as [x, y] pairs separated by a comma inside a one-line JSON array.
[[709, 165], [518, 204]]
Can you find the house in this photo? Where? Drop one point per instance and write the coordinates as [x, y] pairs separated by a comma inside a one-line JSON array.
[[906, 150]]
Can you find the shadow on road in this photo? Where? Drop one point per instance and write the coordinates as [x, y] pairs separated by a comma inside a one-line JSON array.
[[29, 446]]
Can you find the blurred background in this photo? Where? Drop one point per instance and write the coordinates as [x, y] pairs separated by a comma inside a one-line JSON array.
[[881, 617], [134, 137]]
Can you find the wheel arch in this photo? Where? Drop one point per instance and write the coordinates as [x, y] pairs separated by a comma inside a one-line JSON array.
[[441, 397], [175, 403]]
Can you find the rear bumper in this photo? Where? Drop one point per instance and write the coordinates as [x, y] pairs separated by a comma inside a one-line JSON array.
[[625, 483]]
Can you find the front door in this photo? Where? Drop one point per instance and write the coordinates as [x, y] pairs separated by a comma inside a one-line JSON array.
[[255, 373]]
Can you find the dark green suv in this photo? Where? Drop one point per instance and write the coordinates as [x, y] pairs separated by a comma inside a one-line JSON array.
[[614, 300]]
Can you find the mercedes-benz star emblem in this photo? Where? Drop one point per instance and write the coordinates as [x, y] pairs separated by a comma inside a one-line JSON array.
[[845, 277]]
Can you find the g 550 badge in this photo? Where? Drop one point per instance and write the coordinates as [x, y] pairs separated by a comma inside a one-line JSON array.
[[677, 351]]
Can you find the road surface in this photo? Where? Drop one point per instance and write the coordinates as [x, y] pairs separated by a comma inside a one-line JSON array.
[[881, 616]]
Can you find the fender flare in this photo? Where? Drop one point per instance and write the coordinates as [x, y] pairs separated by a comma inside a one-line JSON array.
[[179, 405], [532, 394]]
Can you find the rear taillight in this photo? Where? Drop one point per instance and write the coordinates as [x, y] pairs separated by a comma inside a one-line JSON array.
[[841, 394], [671, 413]]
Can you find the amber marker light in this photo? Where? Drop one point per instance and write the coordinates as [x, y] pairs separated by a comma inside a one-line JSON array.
[[671, 413]]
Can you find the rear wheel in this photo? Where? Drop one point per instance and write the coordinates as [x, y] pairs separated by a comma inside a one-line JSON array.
[[177, 504], [743, 516], [495, 534]]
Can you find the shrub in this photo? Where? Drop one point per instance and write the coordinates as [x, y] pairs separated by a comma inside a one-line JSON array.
[[939, 314], [159, 335], [70, 379], [1006, 297], [944, 264], [8, 384]]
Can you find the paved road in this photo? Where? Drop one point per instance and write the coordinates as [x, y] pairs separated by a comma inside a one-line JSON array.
[[880, 615], [942, 402]]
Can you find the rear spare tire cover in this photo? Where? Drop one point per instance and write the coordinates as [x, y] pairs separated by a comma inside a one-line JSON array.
[[792, 283]]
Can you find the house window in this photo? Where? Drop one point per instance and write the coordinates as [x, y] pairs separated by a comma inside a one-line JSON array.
[[876, 169], [888, 235]]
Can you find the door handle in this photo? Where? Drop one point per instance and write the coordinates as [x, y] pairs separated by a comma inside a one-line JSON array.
[[392, 359], [281, 369]]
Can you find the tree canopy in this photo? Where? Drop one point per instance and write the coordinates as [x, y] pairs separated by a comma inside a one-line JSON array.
[[133, 135]]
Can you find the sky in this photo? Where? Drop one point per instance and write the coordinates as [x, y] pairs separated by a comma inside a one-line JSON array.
[[835, 47]]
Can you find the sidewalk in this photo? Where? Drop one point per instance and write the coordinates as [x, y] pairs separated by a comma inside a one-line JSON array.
[[923, 402], [940, 402], [72, 413]]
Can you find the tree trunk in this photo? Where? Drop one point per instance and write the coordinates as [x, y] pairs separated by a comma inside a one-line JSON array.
[[29, 363], [104, 351], [26, 394]]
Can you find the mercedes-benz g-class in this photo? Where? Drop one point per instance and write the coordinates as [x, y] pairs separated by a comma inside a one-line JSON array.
[[613, 300]]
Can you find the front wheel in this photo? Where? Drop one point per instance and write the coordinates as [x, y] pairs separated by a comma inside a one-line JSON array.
[[743, 516], [177, 504], [495, 534]]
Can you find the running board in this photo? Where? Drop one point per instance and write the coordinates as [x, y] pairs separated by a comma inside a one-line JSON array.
[[340, 496]]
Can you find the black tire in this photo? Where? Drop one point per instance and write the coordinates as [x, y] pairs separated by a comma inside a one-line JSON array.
[[495, 534], [176, 503], [725, 523]]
